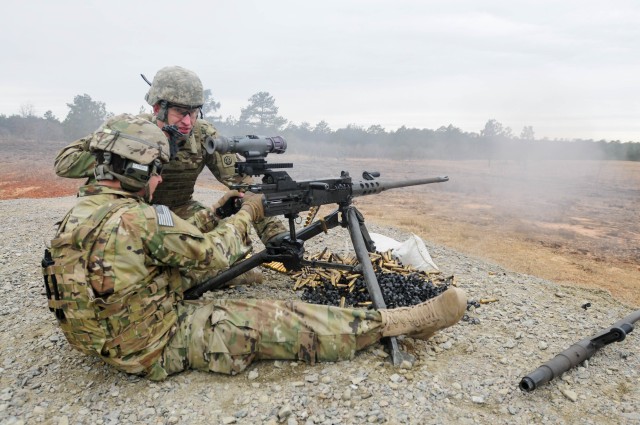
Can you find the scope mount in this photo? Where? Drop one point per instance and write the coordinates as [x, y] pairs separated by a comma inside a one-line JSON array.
[[258, 166]]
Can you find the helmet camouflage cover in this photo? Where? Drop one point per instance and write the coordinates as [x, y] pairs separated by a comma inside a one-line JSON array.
[[131, 137], [176, 85]]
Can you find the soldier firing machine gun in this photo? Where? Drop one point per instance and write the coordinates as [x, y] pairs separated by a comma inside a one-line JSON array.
[[284, 196]]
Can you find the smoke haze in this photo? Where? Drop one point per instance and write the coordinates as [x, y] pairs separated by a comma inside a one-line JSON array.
[[569, 69]]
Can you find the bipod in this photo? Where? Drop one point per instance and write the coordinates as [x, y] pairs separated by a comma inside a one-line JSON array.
[[345, 216], [362, 244]]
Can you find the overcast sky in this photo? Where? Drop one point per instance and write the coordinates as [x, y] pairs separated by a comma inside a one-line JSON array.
[[570, 69]]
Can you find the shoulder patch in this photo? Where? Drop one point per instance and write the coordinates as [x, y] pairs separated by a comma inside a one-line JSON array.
[[164, 215], [228, 160]]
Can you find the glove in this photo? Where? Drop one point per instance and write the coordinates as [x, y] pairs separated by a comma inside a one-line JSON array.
[[252, 204], [228, 204]]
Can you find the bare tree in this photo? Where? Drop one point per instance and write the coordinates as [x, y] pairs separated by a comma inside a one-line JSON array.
[[27, 110], [527, 133]]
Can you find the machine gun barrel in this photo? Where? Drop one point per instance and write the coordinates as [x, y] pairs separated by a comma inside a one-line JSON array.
[[287, 196], [578, 352], [371, 187]]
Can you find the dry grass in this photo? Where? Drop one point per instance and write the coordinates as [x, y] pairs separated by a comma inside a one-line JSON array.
[[565, 255], [574, 222]]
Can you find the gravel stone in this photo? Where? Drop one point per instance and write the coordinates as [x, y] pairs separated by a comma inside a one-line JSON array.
[[43, 380], [284, 412], [570, 394]]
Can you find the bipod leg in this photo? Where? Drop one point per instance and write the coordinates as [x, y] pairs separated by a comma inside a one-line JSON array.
[[368, 242], [220, 280], [356, 226]]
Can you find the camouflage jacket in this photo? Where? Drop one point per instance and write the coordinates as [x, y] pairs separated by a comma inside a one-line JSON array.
[[179, 176], [118, 263]]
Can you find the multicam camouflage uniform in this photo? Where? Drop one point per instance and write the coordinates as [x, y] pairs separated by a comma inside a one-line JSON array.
[[179, 175], [119, 265]]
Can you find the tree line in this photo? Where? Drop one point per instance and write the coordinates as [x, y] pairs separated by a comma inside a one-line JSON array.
[[261, 116]]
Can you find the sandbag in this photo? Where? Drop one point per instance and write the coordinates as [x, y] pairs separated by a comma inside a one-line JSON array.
[[384, 243], [411, 252]]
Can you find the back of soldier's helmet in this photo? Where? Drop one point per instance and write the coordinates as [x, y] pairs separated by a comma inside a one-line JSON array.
[[129, 149], [177, 86]]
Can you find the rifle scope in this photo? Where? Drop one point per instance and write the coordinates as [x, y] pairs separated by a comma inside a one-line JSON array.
[[249, 146]]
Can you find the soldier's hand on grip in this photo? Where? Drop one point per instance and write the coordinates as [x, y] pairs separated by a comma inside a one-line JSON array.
[[228, 204], [252, 204]]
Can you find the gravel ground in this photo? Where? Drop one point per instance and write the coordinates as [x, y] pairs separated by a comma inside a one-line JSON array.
[[466, 374]]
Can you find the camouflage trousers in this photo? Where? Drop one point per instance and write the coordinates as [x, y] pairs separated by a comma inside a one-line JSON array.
[[226, 336]]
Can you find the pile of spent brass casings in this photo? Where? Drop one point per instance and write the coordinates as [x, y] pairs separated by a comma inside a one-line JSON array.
[[310, 278]]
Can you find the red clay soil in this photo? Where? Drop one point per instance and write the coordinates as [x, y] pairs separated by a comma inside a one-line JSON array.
[[17, 181]]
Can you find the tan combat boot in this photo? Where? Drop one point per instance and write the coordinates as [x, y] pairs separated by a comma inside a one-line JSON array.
[[423, 320], [251, 277]]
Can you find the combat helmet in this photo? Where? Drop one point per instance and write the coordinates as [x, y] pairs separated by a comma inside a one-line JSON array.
[[129, 149], [175, 85]]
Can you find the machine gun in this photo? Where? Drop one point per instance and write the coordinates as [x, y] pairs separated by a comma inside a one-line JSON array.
[[283, 195], [579, 352], [287, 197]]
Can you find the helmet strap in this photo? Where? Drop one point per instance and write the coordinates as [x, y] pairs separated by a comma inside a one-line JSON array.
[[175, 137], [129, 184], [163, 112], [147, 194], [103, 171]]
